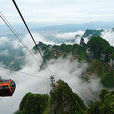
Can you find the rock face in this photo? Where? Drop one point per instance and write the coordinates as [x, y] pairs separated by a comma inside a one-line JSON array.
[[82, 43], [64, 101]]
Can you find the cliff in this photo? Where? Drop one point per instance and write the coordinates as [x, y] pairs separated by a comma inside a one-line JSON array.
[[97, 53], [88, 33], [63, 100]]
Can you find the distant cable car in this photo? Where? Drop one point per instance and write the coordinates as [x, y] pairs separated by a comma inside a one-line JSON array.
[[7, 87]]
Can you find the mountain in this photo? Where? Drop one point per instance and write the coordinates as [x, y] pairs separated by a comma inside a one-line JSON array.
[[88, 33], [105, 105], [20, 29], [97, 53], [33, 104], [77, 27], [63, 100], [11, 57]]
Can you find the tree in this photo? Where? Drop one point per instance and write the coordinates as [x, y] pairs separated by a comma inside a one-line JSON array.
[[108, 51], [64, 101], [97, 45], [33, 103], [105, 105], [108, 79]]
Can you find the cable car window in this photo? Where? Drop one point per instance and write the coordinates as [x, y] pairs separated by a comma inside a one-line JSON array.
[[1, 87], [12, 84], [5, 86]]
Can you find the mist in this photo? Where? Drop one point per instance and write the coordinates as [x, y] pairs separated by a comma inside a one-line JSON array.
[[39, 81], [109, 36]]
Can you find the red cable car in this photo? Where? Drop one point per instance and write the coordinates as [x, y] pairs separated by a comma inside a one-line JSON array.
[[7, 87]]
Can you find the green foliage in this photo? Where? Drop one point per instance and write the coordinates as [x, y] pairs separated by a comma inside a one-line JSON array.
[[108, 79], [105, 105], [41, 45], [92, 32], [112, 56], [33, 103], [97, 46], [65, 100], [104, 71], [108, 51], [81, 52], [102, 94], [62, 50], [46, 54], [66, 48]]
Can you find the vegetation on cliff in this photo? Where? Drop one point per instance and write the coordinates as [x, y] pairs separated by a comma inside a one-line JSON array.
[[63, 100], [89, 33], [97, 52], [105, 105], [33, 104], [104, 71]]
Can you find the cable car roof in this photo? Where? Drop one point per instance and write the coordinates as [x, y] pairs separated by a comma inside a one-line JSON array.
[[5, 81]]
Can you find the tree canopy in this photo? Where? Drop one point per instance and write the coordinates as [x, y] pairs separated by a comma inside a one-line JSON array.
[[97, 45], [33, 103]]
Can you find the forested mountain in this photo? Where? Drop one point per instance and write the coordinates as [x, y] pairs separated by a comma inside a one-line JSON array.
[[88, 33], [97, 52], [63, 100]]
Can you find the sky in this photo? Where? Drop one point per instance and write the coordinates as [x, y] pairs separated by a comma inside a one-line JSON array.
[[59, 11]]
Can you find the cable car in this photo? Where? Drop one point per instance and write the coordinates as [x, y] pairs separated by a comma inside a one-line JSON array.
[[7, 87]]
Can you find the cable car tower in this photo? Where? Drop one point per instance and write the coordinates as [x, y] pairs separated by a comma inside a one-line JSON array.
[[52, 80]]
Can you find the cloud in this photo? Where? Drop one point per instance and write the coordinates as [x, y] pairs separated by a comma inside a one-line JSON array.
[[77, 41], [15, 44], [4, 53], [3, 40], [109, 36], [39, 82], [38, 37], [68, 35], [58, 12]]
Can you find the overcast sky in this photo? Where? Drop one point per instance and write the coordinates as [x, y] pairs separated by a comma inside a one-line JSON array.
[[59, 11]]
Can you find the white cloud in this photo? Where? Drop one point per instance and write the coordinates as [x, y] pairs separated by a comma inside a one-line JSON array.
[[15, 44], [71, 36], [38, 37], [41, 84], [68, 35], [77, 41], [109, 36], [59, 11], [3, 40], [4, 53]]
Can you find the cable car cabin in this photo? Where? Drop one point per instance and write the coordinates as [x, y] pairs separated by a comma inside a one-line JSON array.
[[7, 88]]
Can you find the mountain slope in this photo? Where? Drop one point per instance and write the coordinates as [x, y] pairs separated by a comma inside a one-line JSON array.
[[63, 100]]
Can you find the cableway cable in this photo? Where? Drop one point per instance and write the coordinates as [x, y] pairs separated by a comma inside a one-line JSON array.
[[17, 71], [30, 34], [16, 35]]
